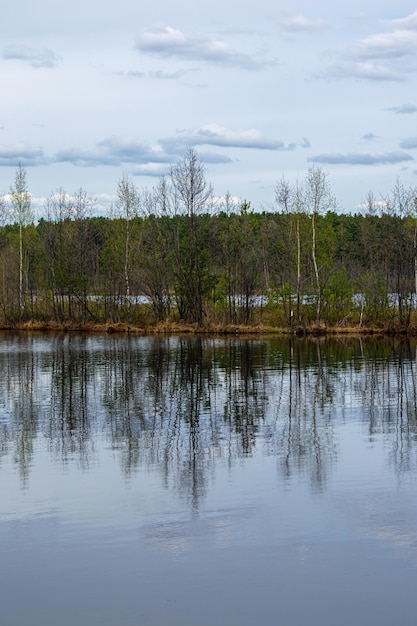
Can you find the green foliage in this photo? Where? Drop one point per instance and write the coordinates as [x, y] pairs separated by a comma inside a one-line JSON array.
[[210, 266], [375, 303], [337, 297]]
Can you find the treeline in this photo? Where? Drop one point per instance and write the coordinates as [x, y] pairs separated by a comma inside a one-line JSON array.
[[173, 254]]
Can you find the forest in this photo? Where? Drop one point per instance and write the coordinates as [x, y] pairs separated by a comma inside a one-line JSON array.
[[175, 254]]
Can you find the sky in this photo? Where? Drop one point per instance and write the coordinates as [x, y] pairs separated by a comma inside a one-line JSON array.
[[95, 90]]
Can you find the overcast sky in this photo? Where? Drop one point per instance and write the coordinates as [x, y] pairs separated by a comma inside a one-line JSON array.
[[93, 89]]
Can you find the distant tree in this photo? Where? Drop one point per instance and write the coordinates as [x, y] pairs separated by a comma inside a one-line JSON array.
[[290, 200], [156, 254], [3, 211], [402, 201], [318, 199], [21, 214], [127, 207], [192, 196]]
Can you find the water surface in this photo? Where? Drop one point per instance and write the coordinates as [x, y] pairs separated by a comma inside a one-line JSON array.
[[207, 482]]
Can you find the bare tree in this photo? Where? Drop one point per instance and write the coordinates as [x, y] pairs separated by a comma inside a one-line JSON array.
[[192, 197], [156, 253], [290, 200]]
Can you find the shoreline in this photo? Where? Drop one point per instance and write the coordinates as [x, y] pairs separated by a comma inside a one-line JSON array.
[[172, 328]]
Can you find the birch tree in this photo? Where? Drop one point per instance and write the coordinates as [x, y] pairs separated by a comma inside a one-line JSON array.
[[21, 214], [318, 200], [127, 207]]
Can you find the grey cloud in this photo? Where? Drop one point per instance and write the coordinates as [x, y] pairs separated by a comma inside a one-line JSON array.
[[212, 157], [168, 42], [36, 57], [403, 109], [154, 159], [131, 151], [369, 136], [114, 151], [22, 154], [361, 158], [86, 158], [133, 74], [409, 143]]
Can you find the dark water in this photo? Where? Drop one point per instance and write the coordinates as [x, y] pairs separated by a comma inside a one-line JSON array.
[[189, 482]]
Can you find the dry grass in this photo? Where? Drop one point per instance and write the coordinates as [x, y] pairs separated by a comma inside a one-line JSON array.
[[170, 328]]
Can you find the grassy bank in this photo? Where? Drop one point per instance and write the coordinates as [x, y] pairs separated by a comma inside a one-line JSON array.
[[169, 328]]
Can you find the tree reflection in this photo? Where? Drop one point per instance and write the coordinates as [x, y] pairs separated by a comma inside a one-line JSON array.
[[182, 405], [71, 411]]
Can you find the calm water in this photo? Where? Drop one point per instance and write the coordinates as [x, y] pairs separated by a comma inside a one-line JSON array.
[[189, 482]]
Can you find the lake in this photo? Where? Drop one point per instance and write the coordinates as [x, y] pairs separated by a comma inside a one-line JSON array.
[[183, 481]]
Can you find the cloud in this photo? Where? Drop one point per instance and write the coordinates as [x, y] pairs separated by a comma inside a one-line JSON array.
[[301, 23], [409, 143], [400, 43], [134, 74], [380, 56], [156, 75], [161, 75], [364, 71], [128, 150], [113, 151], [214, 157], [156, 159], [86, 158], [407, 23], [151, 169], [216, 135], [36, 57], [403, 109], [369, 136], [171, 43], [361, 158], [20, 153], [305, 143]]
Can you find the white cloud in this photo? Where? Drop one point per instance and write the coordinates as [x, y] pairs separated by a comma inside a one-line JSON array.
[[302, 23], [170, 43], [407, 23], [364, 71], [216, 135], [386, 46], [385, 56], [151, 169]]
